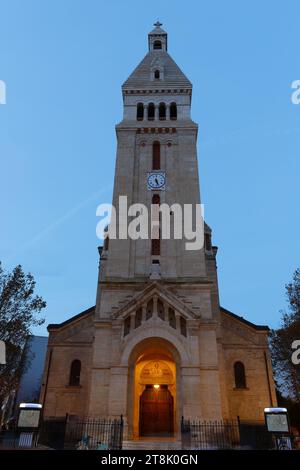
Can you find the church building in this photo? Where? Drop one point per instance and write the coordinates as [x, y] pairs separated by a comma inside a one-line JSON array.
[[157, 346]]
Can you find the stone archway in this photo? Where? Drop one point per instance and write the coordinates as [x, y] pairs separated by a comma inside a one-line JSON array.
[[154, 387]]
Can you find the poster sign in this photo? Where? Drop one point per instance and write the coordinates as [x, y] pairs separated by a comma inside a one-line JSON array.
[[277, 420], [29, 418], [29, 415]]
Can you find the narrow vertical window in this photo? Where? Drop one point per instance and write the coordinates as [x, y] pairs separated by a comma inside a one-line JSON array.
[[155, 242], [149, 309], [140, 112], [156, 156], [155, 247], [75, 371], [160, 310], [162, 111], [138, 318], [156, 199], [239, 375], [151, 111], [157, 74], [172, 318], [183, 326], [173, 111], [127, 326]]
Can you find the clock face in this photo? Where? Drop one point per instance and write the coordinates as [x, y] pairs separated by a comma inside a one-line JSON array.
[[156, 180]]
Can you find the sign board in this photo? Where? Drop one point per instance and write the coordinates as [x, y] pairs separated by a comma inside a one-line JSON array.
[[29, 418], [29, 415], [277, 420]]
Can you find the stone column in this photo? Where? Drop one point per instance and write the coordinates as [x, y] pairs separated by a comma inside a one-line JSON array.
[[167, 112], [156, 114], [155, 306], [117, 397]]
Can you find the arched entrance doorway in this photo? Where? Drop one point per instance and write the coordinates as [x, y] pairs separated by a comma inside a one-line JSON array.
[[156, 411], [154, 391]]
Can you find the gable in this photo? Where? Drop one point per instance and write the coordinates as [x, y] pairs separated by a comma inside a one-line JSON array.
[[154, 289]]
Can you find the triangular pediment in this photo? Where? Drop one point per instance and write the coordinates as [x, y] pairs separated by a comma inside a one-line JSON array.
[[155, 289]]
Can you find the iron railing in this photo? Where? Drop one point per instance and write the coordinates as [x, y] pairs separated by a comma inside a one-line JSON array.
[[94, 433], [73, 432], [209, 435], [225, 434]]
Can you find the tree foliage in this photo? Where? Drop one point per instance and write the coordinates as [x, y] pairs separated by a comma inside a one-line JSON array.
[[19, 309], [288, 374]]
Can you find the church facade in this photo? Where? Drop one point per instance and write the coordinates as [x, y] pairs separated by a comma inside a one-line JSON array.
[[157, 345]]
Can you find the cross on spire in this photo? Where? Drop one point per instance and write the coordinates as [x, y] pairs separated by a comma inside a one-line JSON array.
[[158, 24]]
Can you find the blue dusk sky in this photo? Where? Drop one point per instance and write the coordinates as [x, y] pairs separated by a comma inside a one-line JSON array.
[[63, 63]]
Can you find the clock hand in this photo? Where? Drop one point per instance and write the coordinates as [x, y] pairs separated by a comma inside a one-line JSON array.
[[156, 180]]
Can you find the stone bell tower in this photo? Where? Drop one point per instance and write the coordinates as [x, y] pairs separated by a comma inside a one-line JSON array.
[[148, 285], [156, 143], [157, 346]]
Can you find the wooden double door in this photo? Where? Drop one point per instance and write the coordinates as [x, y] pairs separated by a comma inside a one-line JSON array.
[[156, 412]]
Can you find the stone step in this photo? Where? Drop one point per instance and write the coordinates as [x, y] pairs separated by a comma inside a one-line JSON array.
[[141, 444]]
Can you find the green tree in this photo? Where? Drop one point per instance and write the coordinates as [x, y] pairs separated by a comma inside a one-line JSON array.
[[286, 372], [19, 309]]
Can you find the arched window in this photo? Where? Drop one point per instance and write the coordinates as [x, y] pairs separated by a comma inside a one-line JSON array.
[[173, 111], [151, 111], [160, 309], [156, 199], [140, 112], [155, 242], [183, 326], [157, 45], [156, 156], [127, 323], [149, 309], [162, 111], [239, 375], [75, 373], [172, 318], [138, 318], [157, 74]]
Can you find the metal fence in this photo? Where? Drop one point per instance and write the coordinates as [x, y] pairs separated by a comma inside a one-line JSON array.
[[52, 433], [74, 432], [255, 436], [93, 433], [224, 434], [209, 435]]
